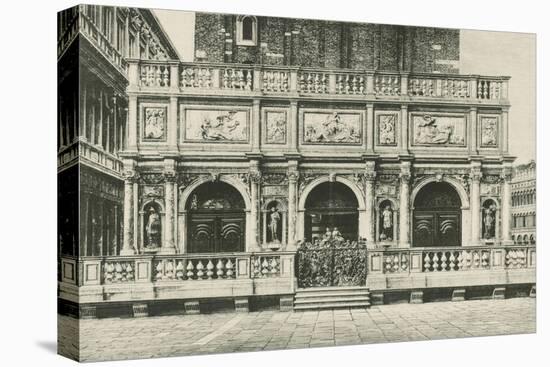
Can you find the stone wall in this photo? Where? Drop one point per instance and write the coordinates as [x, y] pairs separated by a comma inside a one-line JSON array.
[[319, 43]]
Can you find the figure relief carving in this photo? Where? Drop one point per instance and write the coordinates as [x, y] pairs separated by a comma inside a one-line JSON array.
[[216, 126], [489, 132], [332, 128], [155, 123], [386, 129], [275, 127], [440, 130]]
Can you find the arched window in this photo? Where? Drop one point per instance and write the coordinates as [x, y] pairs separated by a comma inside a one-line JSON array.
[[247, 30]]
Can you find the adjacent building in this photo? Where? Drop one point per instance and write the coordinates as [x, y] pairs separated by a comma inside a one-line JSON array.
[[524, 195], [223, 178]]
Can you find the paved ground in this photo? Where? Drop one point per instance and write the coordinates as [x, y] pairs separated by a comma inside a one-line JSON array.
[[107, 339]]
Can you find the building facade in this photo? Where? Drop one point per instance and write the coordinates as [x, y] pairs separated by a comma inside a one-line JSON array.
[[282, 135], [524, 195]]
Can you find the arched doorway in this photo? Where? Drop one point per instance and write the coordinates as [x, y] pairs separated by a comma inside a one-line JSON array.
[[437, 216], [216, 219], [331, 205]]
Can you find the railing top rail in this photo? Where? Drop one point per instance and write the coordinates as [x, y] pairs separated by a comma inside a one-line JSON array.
[[453, 248], [182, 256]]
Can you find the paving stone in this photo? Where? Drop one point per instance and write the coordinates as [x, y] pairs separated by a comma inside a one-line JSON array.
[[268, 330]]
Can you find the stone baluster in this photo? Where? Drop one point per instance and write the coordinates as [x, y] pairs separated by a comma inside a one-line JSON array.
[[130, 177], [475, 202], [404, 218]]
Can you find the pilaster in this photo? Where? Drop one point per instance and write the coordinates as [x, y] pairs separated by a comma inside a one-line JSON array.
[[293, 176], [370, 176], [168, 245], [476, 175], [404, 207], [506, 176], [130, 177], [255, 176]]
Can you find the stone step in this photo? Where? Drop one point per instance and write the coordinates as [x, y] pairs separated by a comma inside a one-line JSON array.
[[300, 295], [328, 306], [317, 300], [335, 289]]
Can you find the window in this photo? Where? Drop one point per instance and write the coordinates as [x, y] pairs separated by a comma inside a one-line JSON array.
[[247, 30]]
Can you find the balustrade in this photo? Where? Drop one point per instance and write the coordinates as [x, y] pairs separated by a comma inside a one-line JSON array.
[[118, 272], [313, 82], [194, 269], [275, 81], [453, 259], [237, 78], [270, 79], [350, 84], [154, 75], [265, 266], [387, 85], [196, 77]]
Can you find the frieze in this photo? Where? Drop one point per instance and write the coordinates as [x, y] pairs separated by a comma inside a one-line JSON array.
[[153, 191], [385, 190], [151, 178], [388, 177], [274, 179], [281, 191], [440, 130], [492, 179], [332, 128], [222, 125], [184, 179]]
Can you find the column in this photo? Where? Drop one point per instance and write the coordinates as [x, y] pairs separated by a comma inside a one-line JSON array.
[[292, 212], [475, 203], [404, 199], [506, 205], [370, 176], [255, 178], [168, 245], [130, 177]]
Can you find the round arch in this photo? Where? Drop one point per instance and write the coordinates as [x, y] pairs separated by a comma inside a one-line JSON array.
[[456, 184], [235, 183], [358, 194]]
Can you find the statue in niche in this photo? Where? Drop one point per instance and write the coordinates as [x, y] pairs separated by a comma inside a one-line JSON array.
[[489, 221], [154, 123], [387, 224], [153, 229], [274, 220]]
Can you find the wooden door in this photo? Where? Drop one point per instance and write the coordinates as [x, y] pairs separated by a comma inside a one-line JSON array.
[[216, 232], [436, 228]]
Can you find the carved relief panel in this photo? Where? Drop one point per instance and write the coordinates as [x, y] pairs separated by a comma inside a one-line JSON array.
[[488, 131], [154, 119], [216, 125], [438, 129], [275, 126], [386, 129], [331, 127]]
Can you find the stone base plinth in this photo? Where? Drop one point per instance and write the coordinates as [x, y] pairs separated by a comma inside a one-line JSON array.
[[458, 295], [140, 310], [192, 307], [499, 293], [87, 311], [417, 297], [533, 292], [286, 303], [241, 304]]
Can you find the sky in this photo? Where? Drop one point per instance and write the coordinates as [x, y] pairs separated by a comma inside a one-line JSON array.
[[481, 52]]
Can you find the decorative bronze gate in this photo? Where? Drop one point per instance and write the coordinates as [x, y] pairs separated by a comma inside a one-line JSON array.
[[332, 263]]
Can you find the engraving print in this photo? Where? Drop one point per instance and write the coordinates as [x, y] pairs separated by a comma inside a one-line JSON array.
[[238, 182]]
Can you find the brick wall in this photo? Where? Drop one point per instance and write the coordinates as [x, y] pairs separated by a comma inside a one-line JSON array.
[[319, 43]]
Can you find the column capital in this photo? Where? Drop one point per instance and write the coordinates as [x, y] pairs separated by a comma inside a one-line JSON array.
[[405, 172]]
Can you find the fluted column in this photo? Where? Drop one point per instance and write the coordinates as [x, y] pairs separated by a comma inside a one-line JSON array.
[[506, 205], [404, 199], [475, 203], [255, 178], [370, 176], [168, 245], [128, 237], [293, 176]]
